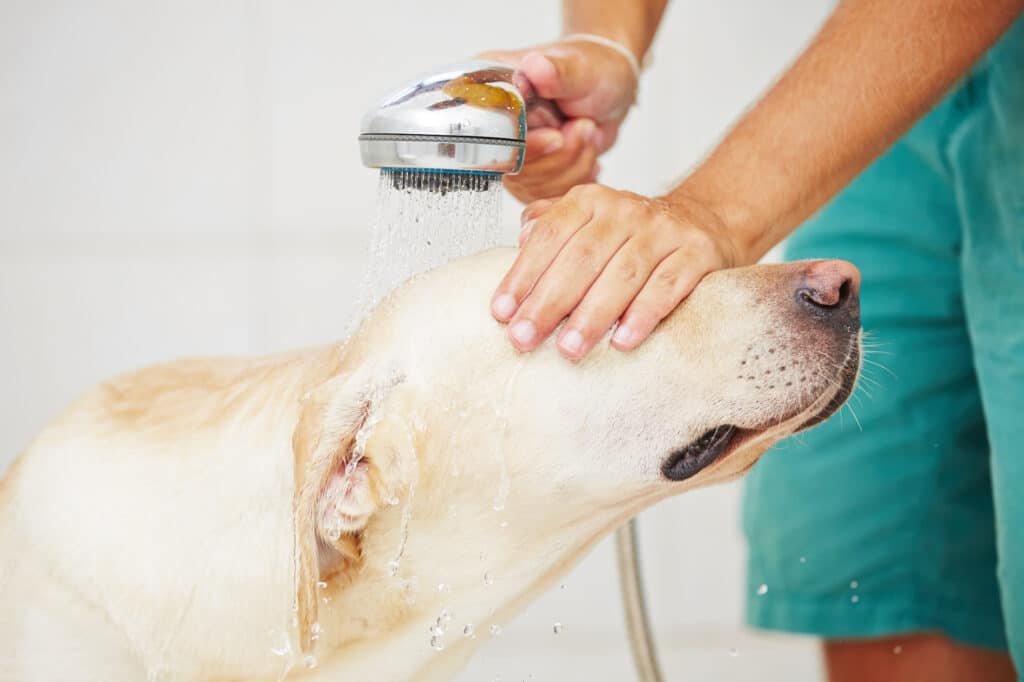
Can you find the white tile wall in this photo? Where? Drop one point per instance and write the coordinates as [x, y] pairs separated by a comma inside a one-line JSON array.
[[183, 178]]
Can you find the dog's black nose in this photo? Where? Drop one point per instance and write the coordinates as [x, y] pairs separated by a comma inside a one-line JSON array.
[[828, 289]]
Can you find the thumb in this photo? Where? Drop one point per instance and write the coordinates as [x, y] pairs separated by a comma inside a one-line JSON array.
[[557, 73]]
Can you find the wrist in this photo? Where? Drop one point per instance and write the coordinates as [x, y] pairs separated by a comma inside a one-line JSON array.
[[619, 47], [732, 222]]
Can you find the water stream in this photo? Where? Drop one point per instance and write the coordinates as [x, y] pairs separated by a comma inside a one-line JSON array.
[[421, 225]]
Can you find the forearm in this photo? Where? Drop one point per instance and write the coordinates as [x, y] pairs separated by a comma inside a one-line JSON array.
[[631, 23], [874, 68]]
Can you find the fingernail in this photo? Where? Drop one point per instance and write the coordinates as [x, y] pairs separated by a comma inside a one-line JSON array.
[[623, 336], [504, 306], [553, 143], [591, 135], [571, 342], [523, 332]]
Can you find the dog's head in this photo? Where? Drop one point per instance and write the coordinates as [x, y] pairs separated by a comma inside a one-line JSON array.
[[437, 423]]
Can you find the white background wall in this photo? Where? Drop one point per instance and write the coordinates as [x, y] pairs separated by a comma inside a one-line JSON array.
[[183, 178]]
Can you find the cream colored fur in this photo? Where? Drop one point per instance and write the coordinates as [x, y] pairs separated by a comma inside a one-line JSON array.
[[247, 519]]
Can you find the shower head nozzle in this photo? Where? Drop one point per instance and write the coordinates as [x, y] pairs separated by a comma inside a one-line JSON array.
[[467, 118]]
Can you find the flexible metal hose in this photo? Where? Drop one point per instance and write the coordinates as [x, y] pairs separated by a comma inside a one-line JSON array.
[[638, 625]]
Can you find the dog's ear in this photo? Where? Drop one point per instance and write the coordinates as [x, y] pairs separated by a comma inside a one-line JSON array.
[[338, 485]]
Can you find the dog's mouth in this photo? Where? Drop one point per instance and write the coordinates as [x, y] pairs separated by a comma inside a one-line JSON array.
[[722, 440], [847, 381], [687, 461]]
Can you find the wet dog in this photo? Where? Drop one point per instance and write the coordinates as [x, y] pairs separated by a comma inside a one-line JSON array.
[[228, 519]]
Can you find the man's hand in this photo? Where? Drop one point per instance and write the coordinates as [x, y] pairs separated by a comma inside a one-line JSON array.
[[601, 255], [593, 86]]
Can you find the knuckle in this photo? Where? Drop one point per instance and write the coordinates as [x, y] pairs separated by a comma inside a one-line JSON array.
[[698, 240], [583, 256], [667, 278], [630, 267]]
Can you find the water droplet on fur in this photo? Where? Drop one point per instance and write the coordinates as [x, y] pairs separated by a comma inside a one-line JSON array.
[[488, 579], [442, 587], [393, 501], [283, 644], [762, 590], [557, 628], [503, 524], [321, 585], [495, 630], [393, 567], [436, 644], [309, 660], [468, 631]]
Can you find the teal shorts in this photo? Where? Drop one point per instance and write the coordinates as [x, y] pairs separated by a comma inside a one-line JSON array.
[[905, 511]]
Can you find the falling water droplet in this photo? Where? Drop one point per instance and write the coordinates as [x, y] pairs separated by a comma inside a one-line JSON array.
[[446, 615], [441, 587], [803, 560], [316, 631], [854, 584], [495, 630], [557, 628], [393, 567], [854, 599], [488, 579], [309, 660], [436, 644], [437, 629], [897, 650], [503, 524], [734, 652], [468, 631], [762, 590]]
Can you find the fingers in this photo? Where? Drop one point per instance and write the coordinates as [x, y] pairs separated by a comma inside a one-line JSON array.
[[543, 142], [671, 282], [557, 73], [554, 173], [610, 295], [529, 216], [565, 282], [598, 255], [545, 243]]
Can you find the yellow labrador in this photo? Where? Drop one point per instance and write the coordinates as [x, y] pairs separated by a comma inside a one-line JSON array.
[[329, 514]]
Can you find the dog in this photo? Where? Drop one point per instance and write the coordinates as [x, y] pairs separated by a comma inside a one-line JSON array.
[[344, 512]]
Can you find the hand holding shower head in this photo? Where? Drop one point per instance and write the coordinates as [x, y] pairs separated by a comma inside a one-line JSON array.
[[458, 128]]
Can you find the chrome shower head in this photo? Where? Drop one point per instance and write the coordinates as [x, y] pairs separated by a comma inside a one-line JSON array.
[[466, 119]]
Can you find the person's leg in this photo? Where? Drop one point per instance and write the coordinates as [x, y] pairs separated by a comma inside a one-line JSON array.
[[988, 155], [914, 658], [879, 522]]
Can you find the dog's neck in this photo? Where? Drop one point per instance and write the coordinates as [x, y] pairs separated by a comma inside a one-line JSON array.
[[470, 541]]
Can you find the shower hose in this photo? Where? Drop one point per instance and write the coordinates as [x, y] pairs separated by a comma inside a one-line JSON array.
[[638, 624]]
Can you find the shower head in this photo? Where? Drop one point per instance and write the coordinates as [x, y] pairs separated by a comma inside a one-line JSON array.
[[466, 120]]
